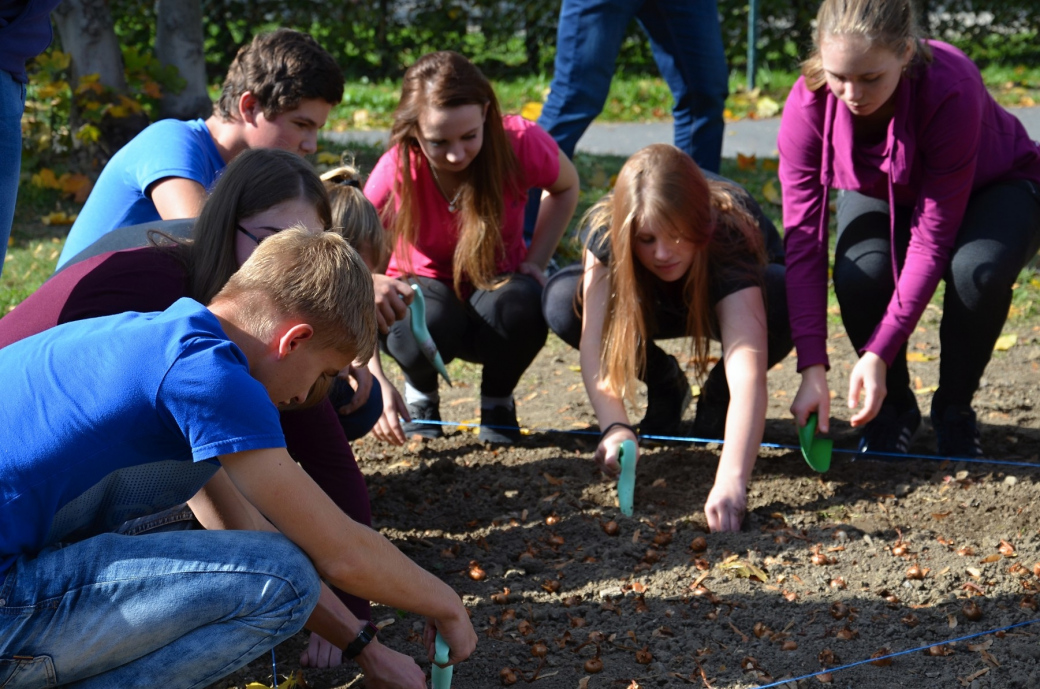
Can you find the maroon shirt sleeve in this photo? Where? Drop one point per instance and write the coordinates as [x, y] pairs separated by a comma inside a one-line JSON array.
[[144, 280]]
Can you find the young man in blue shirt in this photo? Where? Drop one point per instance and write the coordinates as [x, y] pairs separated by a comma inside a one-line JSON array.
[[109, 420], [277, 94]]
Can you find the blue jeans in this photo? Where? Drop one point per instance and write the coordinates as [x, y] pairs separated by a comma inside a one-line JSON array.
[[686, 41], [181, 608], [12, 104]]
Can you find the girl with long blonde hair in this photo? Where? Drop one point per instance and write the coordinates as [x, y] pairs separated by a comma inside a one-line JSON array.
[[673, 253], [451, 191]]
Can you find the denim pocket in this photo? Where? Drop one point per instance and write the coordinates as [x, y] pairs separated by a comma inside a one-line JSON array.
[[24, 671]]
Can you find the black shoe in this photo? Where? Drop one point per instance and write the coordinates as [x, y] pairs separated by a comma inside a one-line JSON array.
[[892, 430], [712, 405], [423, 411], [666, 401], [498, 425], [957, 433]]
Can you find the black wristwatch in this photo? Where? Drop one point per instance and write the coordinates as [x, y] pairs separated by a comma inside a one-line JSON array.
[[367, 633]]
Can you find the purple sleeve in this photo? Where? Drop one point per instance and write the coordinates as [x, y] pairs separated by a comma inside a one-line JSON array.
[[805, 223], [948, 146], [145, 280]]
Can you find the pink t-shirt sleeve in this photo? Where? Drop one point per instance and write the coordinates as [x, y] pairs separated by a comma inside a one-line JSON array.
[[380, 185], [805, 222], [539, 160]]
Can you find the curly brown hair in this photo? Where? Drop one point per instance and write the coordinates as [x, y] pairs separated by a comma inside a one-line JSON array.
[[281, 69]]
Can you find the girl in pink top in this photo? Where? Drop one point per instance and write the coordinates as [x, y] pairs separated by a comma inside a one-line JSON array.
[[936, 181], [451, 191]]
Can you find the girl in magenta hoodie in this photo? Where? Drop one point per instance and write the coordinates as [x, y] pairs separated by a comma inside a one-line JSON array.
[[935, 181]]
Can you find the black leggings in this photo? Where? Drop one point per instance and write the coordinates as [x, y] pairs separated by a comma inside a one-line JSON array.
[[563, 314], [1000, 233], [502, 329]]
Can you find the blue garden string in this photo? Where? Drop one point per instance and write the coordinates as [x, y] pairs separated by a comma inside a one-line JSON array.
[[782, 682], [775, 446], [274, 671]]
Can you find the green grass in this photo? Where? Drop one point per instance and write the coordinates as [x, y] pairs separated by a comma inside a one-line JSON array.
[[370, 105]]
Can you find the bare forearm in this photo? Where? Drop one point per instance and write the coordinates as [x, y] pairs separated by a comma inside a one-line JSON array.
[[333, 621], [553, 215], [387, 576], [745, 423]]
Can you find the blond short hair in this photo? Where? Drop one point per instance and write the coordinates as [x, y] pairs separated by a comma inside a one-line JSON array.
[[319, 278], [354, 216]]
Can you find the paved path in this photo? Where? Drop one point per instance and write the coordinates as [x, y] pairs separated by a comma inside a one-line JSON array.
[[750, 137]]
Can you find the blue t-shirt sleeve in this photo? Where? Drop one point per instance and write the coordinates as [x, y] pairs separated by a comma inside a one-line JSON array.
[[168, 148], [209, 396]]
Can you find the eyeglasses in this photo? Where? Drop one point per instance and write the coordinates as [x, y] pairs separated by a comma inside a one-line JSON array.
[[253, 236]]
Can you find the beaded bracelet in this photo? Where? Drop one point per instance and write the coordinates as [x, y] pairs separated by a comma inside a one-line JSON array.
[[614, 425]]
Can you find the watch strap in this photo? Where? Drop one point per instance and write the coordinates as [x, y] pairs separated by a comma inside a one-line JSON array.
[[364, 637]]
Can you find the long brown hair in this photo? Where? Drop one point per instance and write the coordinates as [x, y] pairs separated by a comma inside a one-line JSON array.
[[662, 186], [446, 79], [888, 24], [254, 181]]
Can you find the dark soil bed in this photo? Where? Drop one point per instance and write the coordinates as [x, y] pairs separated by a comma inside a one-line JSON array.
[[908, 553]]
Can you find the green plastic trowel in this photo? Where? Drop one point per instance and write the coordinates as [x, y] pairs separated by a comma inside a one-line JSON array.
[[440, 677], [422, 334], [817, 451], [626, 483]]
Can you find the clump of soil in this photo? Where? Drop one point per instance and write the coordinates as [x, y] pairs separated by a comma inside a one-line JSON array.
[[873, 557]]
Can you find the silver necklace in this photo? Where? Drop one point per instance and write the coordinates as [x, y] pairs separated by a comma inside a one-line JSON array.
[[453, 202]]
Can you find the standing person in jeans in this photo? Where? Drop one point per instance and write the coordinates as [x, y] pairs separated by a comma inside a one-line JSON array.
[[686, 40], [112, 419], [25, 32], [938, 182], [277, 93], [451, 191]]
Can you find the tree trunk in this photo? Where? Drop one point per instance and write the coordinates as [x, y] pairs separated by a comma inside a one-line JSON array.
[[178, 42], [87, 35]]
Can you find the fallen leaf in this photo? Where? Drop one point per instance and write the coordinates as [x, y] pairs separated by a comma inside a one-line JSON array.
[[770, 193], [766, 107], [553, 481], [1005, 342], [746, 162], [920, 357], [531, 111]]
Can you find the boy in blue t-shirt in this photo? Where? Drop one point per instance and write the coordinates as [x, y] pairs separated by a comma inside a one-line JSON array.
[[277, 94], [112, 419]]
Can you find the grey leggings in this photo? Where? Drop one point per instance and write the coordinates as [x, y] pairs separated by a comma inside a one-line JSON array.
[[1000, 233]]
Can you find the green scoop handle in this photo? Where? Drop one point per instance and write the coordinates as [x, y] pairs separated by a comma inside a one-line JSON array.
[[440, 677], [816, 451], [422, 335], [626, 483]]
